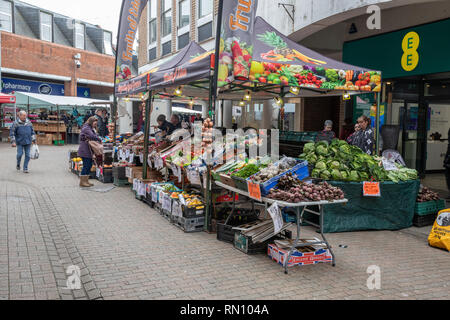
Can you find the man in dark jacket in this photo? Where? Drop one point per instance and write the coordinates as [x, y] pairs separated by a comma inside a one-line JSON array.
[[102, 124], [22, 136]]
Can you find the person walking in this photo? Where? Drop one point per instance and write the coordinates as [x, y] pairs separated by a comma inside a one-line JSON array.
[[84, 151], [22, 136], [447, 165], [102, 125], [327, 134], [365, 137]]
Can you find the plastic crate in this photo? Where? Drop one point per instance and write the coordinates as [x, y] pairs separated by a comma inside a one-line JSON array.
[[246, 245], [288, 218], [300, 170], [121, 182], [424, 220], [106, 179], [192, 212], [225, 233], [440, 205], [240, 183], [430, 207], [119, 172], [190, 225]]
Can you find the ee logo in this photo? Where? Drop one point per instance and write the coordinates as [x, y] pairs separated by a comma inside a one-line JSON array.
[[410, 44]]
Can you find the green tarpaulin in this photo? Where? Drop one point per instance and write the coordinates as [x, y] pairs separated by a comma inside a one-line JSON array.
[[394, 210]]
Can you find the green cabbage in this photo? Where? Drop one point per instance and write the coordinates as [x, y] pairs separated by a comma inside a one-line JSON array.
[[344, 175], [309, 148], [321, 166], [326, 175], [335, 165], [354, 176], [322, 150], [336, 174]]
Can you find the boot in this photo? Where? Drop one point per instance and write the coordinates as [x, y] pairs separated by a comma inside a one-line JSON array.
[[84, 183], [90, 184]]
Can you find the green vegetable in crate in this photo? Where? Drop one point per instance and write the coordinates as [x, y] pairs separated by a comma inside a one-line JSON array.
[[326, 175], [315, 173], [354, 176], [344, 175], [334, 165], [321, 166], [309, 148], [312, 158], [320, 71], [247, 171]]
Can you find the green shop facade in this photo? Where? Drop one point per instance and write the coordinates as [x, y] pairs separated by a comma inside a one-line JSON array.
[[416, 71]]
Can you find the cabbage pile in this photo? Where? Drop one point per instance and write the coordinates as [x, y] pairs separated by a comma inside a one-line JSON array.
[[340, 161]]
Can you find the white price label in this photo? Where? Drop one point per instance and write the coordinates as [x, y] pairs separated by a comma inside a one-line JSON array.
[[182, 200], [141, 158], [128, 172], [131, 158], [154, 195], [177, 211], [167, 202], [194, 177], [142, 189], [277, 218]]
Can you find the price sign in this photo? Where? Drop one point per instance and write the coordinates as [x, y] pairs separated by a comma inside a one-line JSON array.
[[254, 191], [167, 202], [131, 158], [128, 172], [194, 177], [177, 211], [97, 173], [275, 213], [142, 189], [141, 158], [371, 189], [154, 195]]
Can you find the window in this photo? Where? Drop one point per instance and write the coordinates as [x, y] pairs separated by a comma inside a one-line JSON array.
[[166, 48], [166, 17], [79, 36], [205, 32], [184, 13], [205, 7], [5, 16], [152, 22], [183, 41], [152, 54], [46, 27], [107, 43]]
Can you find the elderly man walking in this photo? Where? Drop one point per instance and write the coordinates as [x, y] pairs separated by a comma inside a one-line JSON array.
[[22, 136]]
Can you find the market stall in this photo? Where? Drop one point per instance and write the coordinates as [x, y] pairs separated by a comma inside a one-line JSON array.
[[57, 119]]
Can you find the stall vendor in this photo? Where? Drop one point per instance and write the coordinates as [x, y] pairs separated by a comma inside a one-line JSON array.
[[175, 120], [327, 134], [165, 126]]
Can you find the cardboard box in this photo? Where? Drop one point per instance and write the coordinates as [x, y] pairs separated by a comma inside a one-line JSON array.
[[44, 139], [57, 136], [300, 257]]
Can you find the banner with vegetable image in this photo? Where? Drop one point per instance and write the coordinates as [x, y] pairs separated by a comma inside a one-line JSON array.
[[128, 25], [236, 45], [281, 61]]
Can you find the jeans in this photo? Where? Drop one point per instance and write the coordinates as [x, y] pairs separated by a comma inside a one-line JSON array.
[[87, 166], [20, 150]]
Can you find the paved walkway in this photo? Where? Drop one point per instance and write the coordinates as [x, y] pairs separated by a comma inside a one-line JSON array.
[[125, 250]]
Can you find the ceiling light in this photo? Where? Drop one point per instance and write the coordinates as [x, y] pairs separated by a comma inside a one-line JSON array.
[[247, 96], [178, 91], [278, 101], [191, 102], [242, 103], [294, 90]]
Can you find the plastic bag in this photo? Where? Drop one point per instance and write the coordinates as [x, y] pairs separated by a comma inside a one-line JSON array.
[[34, 152], [440, 234]]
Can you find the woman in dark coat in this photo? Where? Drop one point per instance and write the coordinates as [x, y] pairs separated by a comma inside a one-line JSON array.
[[365, 137], [447, 165], [84, 151]]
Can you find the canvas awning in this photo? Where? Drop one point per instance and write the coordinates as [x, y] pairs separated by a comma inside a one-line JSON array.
[[42, 100]]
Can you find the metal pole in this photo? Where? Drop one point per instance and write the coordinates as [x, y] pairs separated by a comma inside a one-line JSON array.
[[377, 126], [147, 133]]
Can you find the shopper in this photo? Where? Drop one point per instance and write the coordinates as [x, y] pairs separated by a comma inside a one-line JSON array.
[[102, 125], [327, 134], [351, 138], [447, 165], [175, 121], [165, 126], [364, 138], [347, 129], [84, 151], [106, 121], [22, 136], [140, 123]]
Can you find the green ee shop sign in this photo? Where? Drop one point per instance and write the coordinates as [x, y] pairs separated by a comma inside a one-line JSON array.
[[415, 51]]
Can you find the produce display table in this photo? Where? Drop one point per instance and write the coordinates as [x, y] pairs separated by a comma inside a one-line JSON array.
[[300, 208], [394, 210]]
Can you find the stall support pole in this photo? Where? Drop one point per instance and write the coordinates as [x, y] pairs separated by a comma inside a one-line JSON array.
[[147, 133], [377, 125], [212, 101]]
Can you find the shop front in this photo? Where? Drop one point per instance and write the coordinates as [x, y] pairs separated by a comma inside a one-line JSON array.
[[416, 68]]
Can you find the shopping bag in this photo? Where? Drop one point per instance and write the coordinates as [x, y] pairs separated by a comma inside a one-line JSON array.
[[440, 234], [34, 152]]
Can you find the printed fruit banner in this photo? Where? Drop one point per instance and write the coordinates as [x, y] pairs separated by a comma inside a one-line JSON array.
[[281, 61], [129, 21], [236, 47]]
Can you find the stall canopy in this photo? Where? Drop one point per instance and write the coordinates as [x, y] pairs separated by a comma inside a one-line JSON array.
[[272, 59], [7, 98], [41, 100], [192, 63], [271, 63]]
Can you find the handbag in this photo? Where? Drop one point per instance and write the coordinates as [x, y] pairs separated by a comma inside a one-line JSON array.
[[96, 148]]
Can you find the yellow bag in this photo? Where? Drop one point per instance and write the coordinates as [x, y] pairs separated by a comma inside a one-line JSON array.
[[440, 234]]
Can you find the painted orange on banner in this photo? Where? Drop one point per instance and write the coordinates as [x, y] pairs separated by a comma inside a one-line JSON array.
[[371, 189], [254, 191]]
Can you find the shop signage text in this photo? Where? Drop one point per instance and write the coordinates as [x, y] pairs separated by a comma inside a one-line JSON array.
[[55, 89]]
